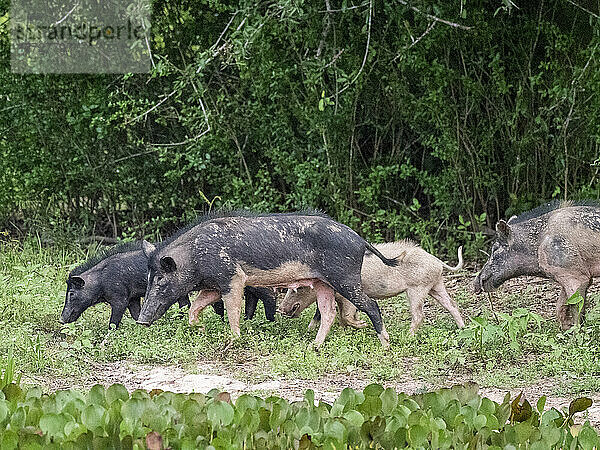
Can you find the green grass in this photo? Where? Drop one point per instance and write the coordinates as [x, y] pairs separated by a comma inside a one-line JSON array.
[[32, 296]]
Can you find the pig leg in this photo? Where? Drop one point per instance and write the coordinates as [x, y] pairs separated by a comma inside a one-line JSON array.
[[269, 303], [326, 304], [353, 292], [134, 307], [116, 315], [203, 299], [251, 300], [183, 301], [219, 309], [232, 298], [561, 309], [566, 313], [440, 293], [316, 320], [348, 313], [416, 299]]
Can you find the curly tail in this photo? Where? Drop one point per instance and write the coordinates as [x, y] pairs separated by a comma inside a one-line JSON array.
[[387, 261], [460, 262]]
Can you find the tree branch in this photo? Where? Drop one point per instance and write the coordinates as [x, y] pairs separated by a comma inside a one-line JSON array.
[[584, 9], [364, 61], [432, 17]]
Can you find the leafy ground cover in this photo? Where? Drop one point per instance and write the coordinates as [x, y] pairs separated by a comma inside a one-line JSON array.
[[374, 418], [512, 342]]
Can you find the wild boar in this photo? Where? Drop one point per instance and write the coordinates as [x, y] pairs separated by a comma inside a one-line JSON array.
[[118, 276], [221, 253], [418, 273], [559, 241]]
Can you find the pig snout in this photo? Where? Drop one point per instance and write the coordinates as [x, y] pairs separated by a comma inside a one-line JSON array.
[[289, 312], [484, 282], [144, 319], [68, 317]]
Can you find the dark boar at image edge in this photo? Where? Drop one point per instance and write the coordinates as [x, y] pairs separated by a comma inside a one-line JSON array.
[[559, 240], [550, 206]]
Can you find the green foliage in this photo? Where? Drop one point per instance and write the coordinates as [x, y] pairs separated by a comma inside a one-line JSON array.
[[510, 330], [392, 123], [376, 417]]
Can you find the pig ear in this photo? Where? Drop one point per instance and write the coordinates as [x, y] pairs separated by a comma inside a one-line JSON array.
[[77, 282], [168, 264], [503, 229], [148, 248]]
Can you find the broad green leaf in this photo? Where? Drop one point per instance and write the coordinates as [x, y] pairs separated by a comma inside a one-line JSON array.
[[588, 438], [18, 418], [309, 397], [334, 429], [373, 390], [94, 417], [550, 434], [417, 436], [220, 413], [116, 391], [9, 440], [3, 410], [523, 431], [133, 409], [579, 404], [96, 396], [12, 392], [479, 421], [73, 430], [278, 414], [53, 425], [389, 400], [541, 403], [354, 417]]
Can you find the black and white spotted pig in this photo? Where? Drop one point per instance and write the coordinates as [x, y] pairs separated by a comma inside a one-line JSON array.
[[220, 254]]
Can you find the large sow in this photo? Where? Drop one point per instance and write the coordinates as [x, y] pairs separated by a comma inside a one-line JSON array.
[[118, 276], [220, 254], [559, 241], [418, 273]]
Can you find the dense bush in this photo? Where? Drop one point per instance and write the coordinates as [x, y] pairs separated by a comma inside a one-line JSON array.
[[381, 114]]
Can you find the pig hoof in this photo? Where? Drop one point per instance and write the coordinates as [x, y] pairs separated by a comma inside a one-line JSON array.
[[385, 340], [358, 324]]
